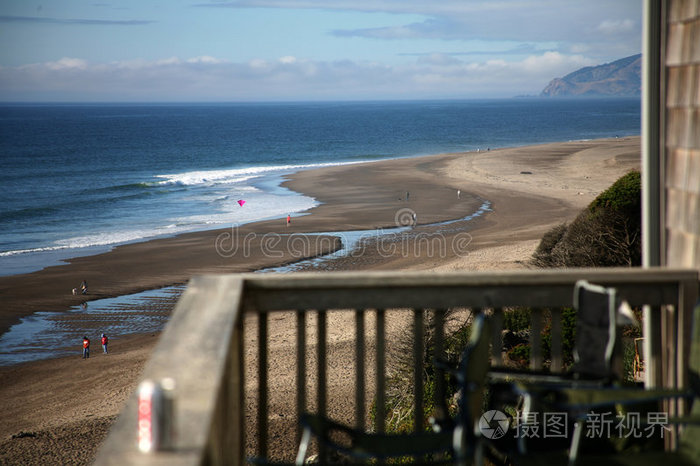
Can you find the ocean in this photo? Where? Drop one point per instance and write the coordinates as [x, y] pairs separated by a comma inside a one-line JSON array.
[[78, 179]]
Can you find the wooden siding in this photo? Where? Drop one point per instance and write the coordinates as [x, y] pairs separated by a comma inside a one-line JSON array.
[[682, 133]]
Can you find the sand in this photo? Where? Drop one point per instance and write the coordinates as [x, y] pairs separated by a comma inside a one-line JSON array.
[[59, 410]]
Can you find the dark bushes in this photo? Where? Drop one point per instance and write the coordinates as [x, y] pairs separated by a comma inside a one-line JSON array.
[[606, 234]]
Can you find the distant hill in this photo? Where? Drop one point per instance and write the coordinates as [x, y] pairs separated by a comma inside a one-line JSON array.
[[619, 78]]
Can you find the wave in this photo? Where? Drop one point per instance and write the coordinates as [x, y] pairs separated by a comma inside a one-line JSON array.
[[236, 175], [17, 252]]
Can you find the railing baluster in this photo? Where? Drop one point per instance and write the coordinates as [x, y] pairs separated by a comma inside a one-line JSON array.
[[439, 354], [556, 349], [497, 342], [536, 339], [301, 367], [418, 350], [381, 370], [322, 375], [262, 384], [360, 369], [237, 389]]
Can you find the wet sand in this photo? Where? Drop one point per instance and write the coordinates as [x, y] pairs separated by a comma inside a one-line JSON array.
[[67, 404]]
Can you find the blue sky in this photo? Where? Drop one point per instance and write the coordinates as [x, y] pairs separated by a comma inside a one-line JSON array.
[[262, 50]]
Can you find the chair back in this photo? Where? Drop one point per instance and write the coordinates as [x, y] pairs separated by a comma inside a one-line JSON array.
[[595, 330]]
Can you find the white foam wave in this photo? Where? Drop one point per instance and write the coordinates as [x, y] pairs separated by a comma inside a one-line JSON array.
[[17, 252], [108, 239], [235, 175], [258, 208]]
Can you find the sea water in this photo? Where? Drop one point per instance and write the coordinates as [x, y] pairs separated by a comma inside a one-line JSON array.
[[79, 179], [50, 334]]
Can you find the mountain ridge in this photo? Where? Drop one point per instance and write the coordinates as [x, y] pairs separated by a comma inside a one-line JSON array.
[[621, 78]]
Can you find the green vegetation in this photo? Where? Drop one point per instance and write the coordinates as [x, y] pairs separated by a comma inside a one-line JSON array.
[[606, 234], [399, 402]]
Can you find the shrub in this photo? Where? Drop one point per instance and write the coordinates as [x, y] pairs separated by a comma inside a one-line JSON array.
[[520, 355], [606, 234]]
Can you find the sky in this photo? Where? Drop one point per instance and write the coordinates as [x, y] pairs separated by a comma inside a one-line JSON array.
[[303, 50]]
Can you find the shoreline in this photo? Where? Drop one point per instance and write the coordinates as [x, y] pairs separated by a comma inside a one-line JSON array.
[[119, 271], [563, 178]]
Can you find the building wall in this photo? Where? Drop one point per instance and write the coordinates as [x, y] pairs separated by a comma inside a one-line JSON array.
[[682, 133]]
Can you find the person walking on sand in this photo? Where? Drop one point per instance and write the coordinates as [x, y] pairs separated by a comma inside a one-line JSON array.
[[83, 287], [289, 219], [459, 193], [86, 347], [105, 340]]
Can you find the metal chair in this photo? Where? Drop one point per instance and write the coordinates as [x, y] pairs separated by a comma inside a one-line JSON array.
[[579, 401], [595, 346]]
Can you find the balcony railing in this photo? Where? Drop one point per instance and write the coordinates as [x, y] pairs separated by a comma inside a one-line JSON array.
[[218, 346]]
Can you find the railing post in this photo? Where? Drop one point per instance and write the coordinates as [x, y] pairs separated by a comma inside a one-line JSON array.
[[360, 369], [301, 368], [687, 298], [418, 351], [237, 393], [322, 375], [262, 384], [439, 354], [381, 370]]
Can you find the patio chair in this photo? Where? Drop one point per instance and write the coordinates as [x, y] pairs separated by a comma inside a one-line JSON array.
[[583, 400], [598, 316], [451, 442], [597, 320]]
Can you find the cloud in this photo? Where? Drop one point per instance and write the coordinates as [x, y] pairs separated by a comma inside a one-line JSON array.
[[206, 60], [207, 78], [483, 19], [428, 29], [67, 63], [88, 22], [610, 26]]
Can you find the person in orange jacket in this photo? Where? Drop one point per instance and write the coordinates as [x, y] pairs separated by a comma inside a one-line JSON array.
[[86, 347]]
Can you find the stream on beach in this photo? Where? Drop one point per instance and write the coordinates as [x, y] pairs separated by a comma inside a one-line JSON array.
[[45, 335]]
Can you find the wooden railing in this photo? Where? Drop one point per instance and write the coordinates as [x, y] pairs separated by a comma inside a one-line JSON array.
[[221, 326]]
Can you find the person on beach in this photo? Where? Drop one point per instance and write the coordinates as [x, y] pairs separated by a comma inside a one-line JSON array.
[[83, 287], [459, 194], [86, 347], [289, 219], [105, 340], [415, 219]]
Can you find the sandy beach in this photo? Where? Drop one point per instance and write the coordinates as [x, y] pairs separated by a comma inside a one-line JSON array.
[[58, 411]]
